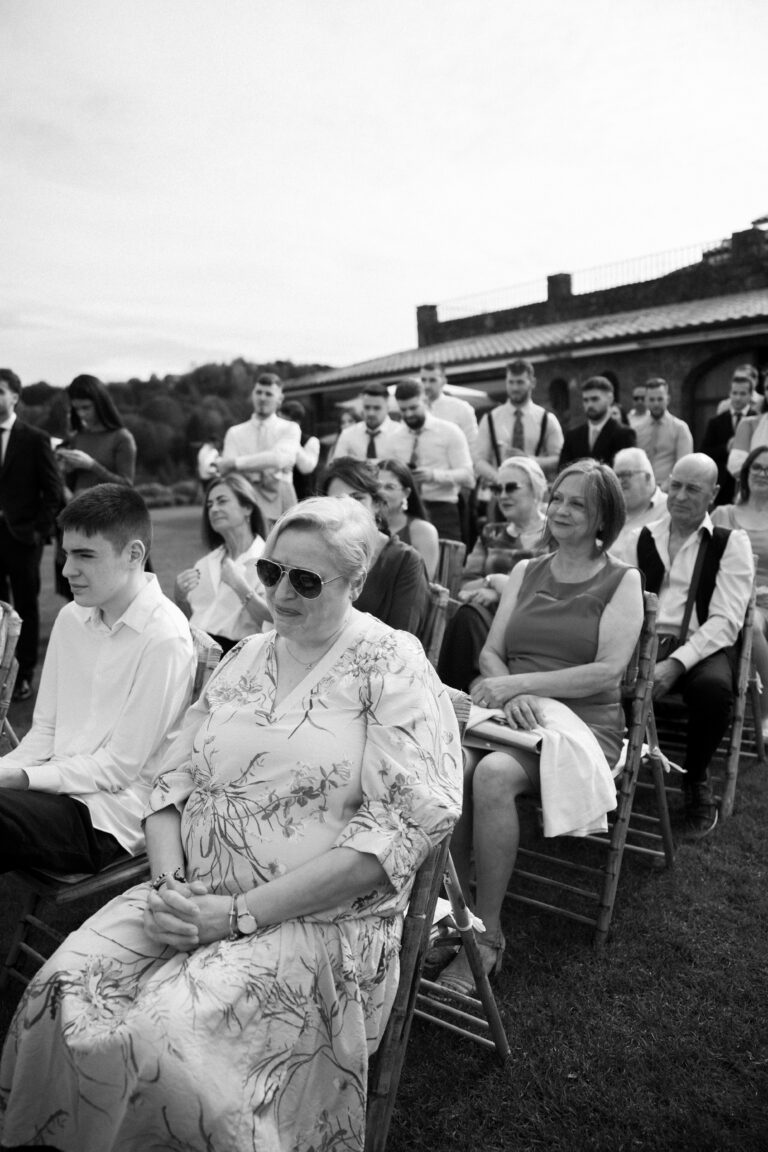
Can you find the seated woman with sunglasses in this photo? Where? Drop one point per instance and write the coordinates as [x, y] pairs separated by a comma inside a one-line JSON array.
[[396, 589], [565, 630], [232, 1002], [751, 514], [221, 594], [519, 492]]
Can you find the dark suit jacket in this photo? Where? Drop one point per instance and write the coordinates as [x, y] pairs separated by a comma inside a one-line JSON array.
[[30, 485], [718, 432], [613, 437]]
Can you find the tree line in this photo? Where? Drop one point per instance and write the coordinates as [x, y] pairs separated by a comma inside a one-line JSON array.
[[171, 417]]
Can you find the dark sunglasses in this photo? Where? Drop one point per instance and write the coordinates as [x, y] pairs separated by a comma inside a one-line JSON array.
[[507, 489], [308, 584]]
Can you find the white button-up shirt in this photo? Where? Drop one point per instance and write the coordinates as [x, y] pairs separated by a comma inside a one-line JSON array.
[[109, 701], [441, 447], [504, 424], [729, 599], [353, 441]]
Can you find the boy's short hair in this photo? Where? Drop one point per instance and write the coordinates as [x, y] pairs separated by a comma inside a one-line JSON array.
[[409, 389], [598, 384], [114, 511], [11, 379]]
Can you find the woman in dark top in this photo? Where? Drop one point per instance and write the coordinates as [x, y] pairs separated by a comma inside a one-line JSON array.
[[396, 590], [101, 450], [405, 513]]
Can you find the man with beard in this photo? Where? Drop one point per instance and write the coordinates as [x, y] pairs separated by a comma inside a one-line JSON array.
[[372, 439]]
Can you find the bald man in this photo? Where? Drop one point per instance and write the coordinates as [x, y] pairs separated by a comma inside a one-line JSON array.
[[695, 642]]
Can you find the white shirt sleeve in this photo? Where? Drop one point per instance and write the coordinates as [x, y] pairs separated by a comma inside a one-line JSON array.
[[727, 606]]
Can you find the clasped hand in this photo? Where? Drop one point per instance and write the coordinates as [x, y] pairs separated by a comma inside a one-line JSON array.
[[522, 709], [186, 915]]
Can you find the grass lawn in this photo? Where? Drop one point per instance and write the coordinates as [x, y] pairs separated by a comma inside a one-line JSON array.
[[659, 1045]]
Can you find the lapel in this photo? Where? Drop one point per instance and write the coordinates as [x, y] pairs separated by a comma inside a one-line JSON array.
[[605, 437], [11, 448]]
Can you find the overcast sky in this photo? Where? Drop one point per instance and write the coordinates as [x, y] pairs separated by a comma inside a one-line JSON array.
[[194, 180]]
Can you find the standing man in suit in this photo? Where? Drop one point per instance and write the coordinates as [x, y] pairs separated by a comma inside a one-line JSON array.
[[602, 436], [718, 437], [30, 497]]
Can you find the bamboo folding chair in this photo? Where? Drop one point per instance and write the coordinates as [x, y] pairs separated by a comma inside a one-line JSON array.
[[565, 879], [10, 629], [413, 996], [671, 717], [436, 618], [451, 564], [58, 889]]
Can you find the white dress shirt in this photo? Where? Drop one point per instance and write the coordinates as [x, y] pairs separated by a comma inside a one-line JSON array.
[[5, 430], [729, 598], [265, 451], [504, 424], [353, 441], [110, 700], [457, 412], [216, 607], [441, 447]]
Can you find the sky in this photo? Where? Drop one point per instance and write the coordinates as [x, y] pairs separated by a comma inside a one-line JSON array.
[[187, 181]]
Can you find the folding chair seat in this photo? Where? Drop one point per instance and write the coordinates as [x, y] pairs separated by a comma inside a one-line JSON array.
[[742, 742], [10, 628], [451, 565], [578, 877], [56, 889]]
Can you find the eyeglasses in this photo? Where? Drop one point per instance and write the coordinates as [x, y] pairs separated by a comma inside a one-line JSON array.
[[307, 583], [759, 469], [507, 489]]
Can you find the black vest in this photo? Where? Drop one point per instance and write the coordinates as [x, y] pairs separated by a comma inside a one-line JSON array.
[[650, 564]]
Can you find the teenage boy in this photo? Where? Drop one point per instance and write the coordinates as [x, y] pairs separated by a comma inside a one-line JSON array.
[[116, 678]]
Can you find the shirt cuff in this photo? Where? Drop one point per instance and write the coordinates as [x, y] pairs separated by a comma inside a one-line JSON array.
[[44, 777]]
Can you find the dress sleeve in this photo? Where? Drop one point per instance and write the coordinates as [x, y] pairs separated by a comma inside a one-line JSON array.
[[123, 462], [411, 777]]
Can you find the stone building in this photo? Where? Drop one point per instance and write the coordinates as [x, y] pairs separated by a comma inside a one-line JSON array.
[[688, 316]]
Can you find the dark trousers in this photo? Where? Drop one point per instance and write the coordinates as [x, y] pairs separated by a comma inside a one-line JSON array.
[[465, 636], [20, 583], [47, 830], [445, 518], [708, 694]]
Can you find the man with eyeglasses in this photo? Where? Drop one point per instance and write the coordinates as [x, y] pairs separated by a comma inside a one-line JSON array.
[[721, 429], [644, 500], [639, 414], [703, 578], [601, 437], [264, 450]]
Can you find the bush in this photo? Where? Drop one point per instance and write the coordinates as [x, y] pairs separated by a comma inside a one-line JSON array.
[[156, 495]]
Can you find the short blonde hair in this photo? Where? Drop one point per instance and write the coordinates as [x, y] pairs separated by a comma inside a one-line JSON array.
[[345, 525]]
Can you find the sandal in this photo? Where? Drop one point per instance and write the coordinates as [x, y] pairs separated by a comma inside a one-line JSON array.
[[457, 977]]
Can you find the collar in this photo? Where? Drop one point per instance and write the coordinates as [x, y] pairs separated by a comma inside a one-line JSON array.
[[599, 427], [429, 422], [524, 407], [385, 426], [9, 423], [138, 613], [264, 421], [660, 528]]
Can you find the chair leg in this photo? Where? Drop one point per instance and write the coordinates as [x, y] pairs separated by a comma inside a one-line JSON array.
[[665, 824], [29, 907], [757, 719]]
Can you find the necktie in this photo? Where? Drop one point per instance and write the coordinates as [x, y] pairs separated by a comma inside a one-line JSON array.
[[736, 418], [371, 452], [518, 436], [414, 460]]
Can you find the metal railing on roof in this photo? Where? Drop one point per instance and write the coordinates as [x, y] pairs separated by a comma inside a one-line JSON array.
[[596, 279]]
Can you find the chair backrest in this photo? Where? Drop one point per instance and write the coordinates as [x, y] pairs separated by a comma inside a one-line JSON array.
[[207, 655], [450, 564], [433, 629], [639, 671], [10, 627]]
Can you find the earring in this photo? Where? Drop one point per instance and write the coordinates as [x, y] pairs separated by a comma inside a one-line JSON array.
[[404, 505]]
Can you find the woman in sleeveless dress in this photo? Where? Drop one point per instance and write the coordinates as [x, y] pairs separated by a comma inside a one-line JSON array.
[[565, 630], [405, 514]]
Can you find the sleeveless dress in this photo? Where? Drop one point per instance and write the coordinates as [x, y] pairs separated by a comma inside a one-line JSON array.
[[725, 517], [555, 625]]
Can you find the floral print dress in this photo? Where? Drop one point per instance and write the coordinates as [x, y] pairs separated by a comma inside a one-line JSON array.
[[263, 1042]]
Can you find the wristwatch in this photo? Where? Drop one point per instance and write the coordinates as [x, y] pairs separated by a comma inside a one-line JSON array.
[[246, 923]]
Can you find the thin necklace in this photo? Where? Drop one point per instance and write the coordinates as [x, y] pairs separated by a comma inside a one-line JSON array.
[[316, 660]]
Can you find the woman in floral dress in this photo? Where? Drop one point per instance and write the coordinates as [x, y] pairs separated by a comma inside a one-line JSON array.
[[232, 1003]]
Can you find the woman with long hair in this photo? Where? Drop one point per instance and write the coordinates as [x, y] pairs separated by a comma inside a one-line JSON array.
[[222, 593], [405, 513], [100, 450]]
